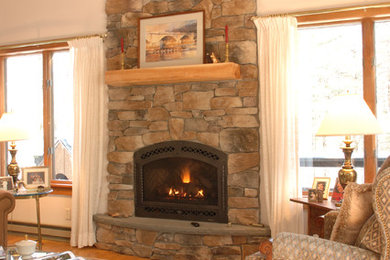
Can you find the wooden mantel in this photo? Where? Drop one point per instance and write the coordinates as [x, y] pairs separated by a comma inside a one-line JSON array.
[[173, 74]]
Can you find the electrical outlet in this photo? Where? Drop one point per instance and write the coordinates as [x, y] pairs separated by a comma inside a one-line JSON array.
[[67, 214]]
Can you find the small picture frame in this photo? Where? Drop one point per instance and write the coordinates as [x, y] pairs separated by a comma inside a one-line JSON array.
[[322, 183], [338, 191], [34, 177], [6, 183], [171, 40], [312, 195]]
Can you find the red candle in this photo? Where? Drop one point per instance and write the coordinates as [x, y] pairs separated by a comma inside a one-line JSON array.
[[226, 34], [122, 44]]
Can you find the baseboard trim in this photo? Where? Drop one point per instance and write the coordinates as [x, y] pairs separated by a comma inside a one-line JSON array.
[[46, 230]]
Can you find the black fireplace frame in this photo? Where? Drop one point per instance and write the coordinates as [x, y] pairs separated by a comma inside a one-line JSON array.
[[183, 149]]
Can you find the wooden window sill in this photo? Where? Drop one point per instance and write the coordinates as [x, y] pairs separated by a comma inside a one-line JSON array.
[[61, 187]]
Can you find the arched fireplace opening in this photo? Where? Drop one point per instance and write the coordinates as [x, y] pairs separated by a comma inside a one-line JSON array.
[[181, 180]]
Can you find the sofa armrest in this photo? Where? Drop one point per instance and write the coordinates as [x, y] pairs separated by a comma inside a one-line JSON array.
[[329, 220], [7, 204], [297, 246], [266, 249]]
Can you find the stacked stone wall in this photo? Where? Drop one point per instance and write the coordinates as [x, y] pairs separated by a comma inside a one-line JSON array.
[[223, 114]]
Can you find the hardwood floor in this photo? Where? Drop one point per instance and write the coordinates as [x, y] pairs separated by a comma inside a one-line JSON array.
[[60, 245]]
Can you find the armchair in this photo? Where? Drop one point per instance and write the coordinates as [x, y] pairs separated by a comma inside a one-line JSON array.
[[359, 230], [7, 204]]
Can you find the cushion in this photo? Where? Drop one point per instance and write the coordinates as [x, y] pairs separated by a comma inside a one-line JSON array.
[[370, 236], [354, 212], [384, 165]]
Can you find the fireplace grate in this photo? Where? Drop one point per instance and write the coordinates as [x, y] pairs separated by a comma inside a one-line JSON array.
[[198, 213], [206, 154], [157, 151]]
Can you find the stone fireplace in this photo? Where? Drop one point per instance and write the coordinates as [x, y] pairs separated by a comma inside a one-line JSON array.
[[212, 118], [181, 180]]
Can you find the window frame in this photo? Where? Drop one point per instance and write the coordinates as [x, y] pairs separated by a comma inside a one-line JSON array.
[[366, 17], [47, 50]]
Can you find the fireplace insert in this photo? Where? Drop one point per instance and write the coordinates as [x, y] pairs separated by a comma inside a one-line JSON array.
[[181, 180]]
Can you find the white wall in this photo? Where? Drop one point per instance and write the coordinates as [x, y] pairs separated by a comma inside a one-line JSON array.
[[266, 7], [24, 21], [53, 210]]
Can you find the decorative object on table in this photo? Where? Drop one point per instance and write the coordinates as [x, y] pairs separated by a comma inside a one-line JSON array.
[[34, 177], [338, 191], [226, 43], [26, 247], [171, 40], [122, 54], [348, 115], [322, 183], [214, 58], [6, 183], [12, 129], [312, 195], [320, 195]]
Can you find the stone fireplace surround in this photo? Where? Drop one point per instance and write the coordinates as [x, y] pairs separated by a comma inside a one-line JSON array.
[[222, 114]]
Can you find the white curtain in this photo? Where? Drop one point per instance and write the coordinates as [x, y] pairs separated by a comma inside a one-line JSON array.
[[89, 193], [279, 166]]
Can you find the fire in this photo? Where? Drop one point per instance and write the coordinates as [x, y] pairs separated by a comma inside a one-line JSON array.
[[187, 190], [200, 194], [185, 175]]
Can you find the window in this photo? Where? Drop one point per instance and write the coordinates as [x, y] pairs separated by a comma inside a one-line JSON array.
[[382, 62], [39, 86], [335, 57]]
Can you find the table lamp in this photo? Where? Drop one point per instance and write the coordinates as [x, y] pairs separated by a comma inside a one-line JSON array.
[[12, 129], [348, 115]]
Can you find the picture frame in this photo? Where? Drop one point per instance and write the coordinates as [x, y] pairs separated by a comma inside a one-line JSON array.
[[338, 191], [34, 177], [171, 40], [6, 183], [322, 183], [312, 195]]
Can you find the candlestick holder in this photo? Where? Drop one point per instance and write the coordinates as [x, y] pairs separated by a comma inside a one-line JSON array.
[[227, 52], [122, 60]]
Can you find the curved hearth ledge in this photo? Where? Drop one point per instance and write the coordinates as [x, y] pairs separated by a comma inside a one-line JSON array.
[[160, 238]]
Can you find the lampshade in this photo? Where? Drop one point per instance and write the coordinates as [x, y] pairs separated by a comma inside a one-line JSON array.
[[12, 128], [349, 115]]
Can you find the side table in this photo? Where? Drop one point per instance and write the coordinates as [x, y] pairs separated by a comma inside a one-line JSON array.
[[315, 210], [34, 194]]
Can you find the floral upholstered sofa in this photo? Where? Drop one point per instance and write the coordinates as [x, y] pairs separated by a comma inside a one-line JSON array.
[[359, 230]]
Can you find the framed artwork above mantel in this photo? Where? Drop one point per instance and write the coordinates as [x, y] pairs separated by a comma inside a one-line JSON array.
[[171, 40]]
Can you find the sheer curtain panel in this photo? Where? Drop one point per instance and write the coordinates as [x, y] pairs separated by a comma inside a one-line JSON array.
[[278, 134], [89, 194]]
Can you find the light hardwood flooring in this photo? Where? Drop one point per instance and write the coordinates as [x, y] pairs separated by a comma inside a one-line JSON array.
[[60, 245]]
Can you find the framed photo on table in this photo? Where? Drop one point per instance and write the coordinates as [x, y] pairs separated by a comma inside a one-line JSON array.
[[6, 183], [322, 184], [171, 40], [34, 177]]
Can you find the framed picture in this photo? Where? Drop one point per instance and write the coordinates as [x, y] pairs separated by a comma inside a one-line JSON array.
[[338, 191], [6, 183], [33, 177], [171, 40], [322, 183], [312, 195]]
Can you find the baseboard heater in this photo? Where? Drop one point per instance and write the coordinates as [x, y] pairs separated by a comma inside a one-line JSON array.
[[47, 230]]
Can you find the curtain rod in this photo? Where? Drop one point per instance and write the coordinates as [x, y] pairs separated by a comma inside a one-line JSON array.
[[332, 10], [62, 40]]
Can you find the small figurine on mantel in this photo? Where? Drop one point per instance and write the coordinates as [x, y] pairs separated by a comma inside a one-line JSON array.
[[214, 58]]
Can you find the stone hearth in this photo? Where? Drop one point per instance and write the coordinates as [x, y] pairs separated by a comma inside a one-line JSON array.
[[176, 239]]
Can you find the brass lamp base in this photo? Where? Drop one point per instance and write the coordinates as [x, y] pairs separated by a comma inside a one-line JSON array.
[[347, 173], [13, 167]]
